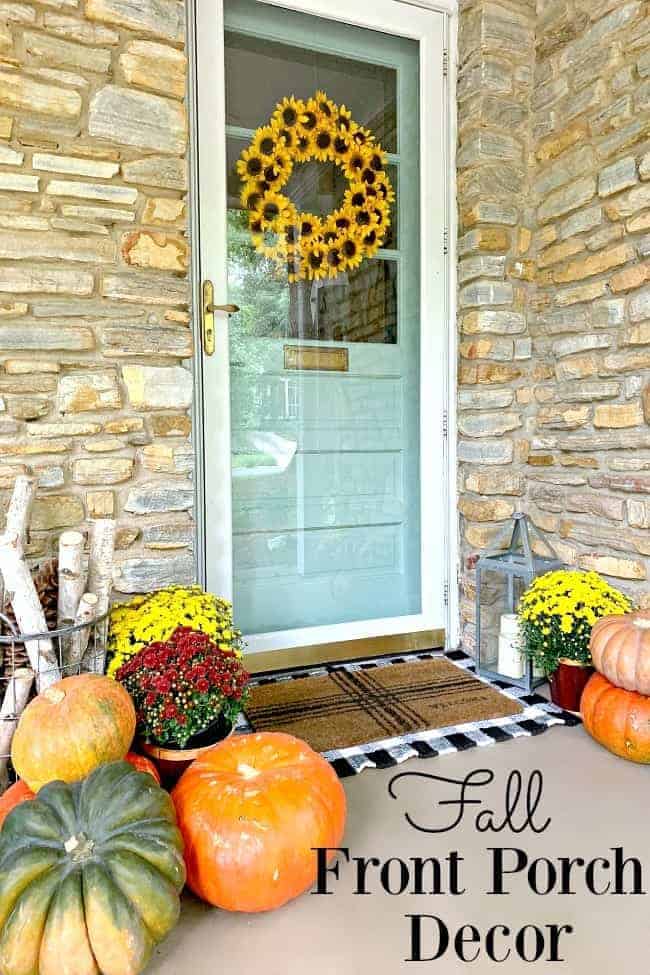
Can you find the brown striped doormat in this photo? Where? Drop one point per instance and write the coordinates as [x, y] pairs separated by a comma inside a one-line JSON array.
[[349, 707]]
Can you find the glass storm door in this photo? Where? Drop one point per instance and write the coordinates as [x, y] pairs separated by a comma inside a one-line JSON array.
[[319, 470]]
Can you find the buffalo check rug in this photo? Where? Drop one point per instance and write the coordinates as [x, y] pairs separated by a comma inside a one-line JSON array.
[[380, 712]]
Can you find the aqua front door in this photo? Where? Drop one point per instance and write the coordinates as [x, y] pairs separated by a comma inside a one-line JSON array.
[[324, 398]]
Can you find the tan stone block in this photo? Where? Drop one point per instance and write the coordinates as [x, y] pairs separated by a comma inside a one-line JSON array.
[[628, 361], [630, 277], [561, 416], [577, 366], [596, 504], [487, 372], [524, 239], [636, 334], [88, 391], [126, 424], [56, 511], [524, 396], [171, 425], [100, 504], [180, 317], [556, 144], [645, 398], [638, 223], [565, 297], [67, 428], [609, 565], [627, 204], [103, 445], [102, 470], [158, 387], [595, 264], [156, 66], [75, 165], [6, 125], [158, 457], [483, 536], [164, 20], [544, 521], [13, 309], [165, 252], [28, 407], [19, 367], [495, 482], [35, 280], [540, 460], [560, 252], [45, 49], [618, 415], [165, 210], [137, 118], [28, 245], [23, 93], [579, 460], [484, 510], [125, 537]]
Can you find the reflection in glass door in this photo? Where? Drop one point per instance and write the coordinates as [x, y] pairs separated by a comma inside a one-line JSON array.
[[325, 373]]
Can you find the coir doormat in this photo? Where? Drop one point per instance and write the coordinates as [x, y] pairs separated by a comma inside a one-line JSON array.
[[378, 713]]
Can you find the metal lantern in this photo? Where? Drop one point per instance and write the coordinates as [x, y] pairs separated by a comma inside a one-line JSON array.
[[501, 579]]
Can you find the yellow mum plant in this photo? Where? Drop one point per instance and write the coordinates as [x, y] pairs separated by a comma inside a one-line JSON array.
[[558, 611], [154, 617]]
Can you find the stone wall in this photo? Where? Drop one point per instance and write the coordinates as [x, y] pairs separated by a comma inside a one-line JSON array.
[[563, 435], [94, 323]]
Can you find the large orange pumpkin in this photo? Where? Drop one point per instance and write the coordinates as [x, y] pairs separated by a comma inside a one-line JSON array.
[[20, 791], [620, 648], [71, 728], [617, 719], [251, 811]]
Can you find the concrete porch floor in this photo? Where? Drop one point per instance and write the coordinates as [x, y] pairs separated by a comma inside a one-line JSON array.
[[595, 800]]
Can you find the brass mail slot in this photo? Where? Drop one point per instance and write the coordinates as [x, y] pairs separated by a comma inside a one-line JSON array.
[[316, 357]]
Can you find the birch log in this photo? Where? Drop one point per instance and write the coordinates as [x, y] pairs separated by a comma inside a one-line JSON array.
[[20, 506], [27, 608], [100, 561], [71, 576], [15, 698], [86, 613]]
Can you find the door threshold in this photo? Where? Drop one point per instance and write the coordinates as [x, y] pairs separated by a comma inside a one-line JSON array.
[[344, 650]]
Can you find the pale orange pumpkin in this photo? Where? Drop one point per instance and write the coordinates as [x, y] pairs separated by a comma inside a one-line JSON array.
[[251, 811], [71, 728], [620, 649], [617, 719]]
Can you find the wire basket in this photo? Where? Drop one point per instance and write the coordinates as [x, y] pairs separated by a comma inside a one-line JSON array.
[[74, 649]]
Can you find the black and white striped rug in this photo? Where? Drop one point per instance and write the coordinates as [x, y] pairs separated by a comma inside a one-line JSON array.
[[537, 716]]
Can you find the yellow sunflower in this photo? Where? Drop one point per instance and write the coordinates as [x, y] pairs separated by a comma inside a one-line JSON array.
[[265, 142], [288, 112], [250, 165], [344, 119], [323, 142], [356, 162], [326, 107], [352, 252], [274, 211], [310, 227], [310, 116], [314, 261]]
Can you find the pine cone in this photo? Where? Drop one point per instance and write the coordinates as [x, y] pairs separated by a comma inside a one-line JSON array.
[[46, 580]]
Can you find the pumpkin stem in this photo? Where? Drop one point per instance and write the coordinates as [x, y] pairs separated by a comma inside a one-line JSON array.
[[79, 847]]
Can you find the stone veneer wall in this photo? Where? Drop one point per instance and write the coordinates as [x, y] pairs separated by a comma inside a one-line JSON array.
[[554, 204], [94, 322]]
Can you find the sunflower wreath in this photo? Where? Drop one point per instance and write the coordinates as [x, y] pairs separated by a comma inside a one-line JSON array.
[[306, 246]]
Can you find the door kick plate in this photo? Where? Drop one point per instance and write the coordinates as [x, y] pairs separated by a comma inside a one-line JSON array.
[[313, 357]]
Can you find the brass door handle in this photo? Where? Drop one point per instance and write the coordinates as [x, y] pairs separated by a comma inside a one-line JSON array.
[[231, 309], [207, 311]]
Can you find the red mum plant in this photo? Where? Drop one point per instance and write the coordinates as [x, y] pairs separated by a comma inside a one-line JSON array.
[[182, 686]]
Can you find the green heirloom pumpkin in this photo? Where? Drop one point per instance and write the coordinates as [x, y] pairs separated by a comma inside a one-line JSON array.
[[90, 876]]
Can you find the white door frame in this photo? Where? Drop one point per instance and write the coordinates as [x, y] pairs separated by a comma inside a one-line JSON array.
[[211, 418]]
